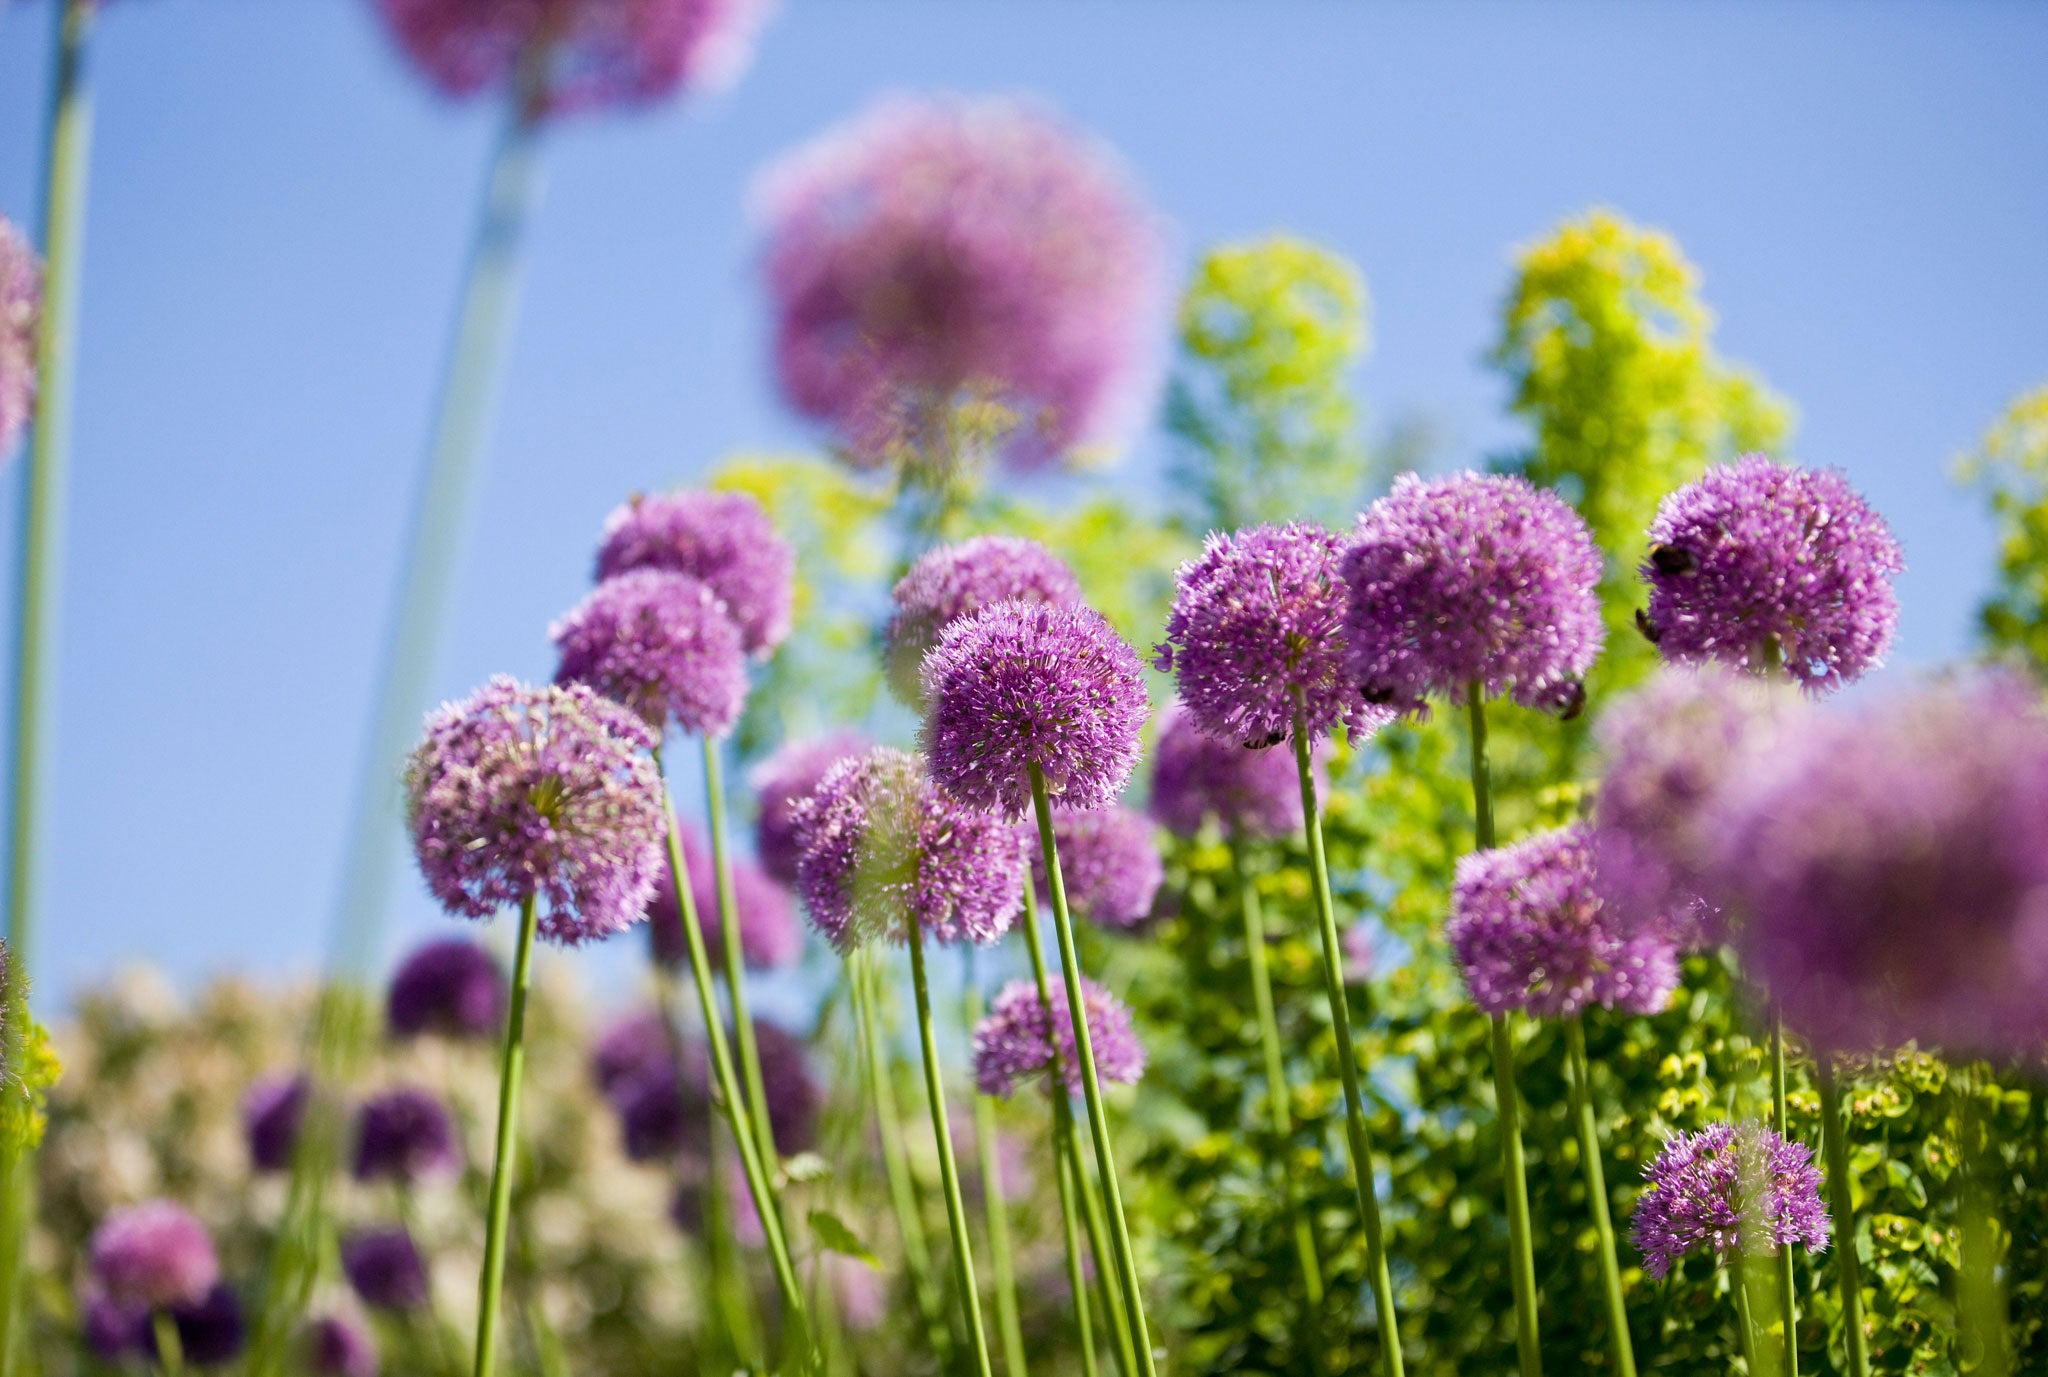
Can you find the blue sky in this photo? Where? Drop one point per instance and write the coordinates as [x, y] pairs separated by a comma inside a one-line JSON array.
[[279, 212]]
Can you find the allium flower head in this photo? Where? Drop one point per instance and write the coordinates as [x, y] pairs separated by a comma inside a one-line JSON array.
[[112, 1332], [524, 793], [1028, 684], [664, 1109], [793, 1096], [1474, 578], [782, 781], [153, 1256], [1109, 863], [936, 252], [1530, 933], [1014, 1043], [723, 539], [405, 1135], [1196, 776], [271, 1113], [1256, 636], [385, 1269], [212, 1330], [956, 581], [662, 645], [629, 1046], [1735, 1188], [1890, 869], [336, 1346], [769, 934], [1759, 561], [885, 846], [21, 309], [451, 987]]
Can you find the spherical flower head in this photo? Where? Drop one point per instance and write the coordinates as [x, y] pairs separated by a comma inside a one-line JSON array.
[[112, 1332], [724, 540], [336, 1346], [452, 987], [794, 1100], [589, 54], [770, 937], [1015, 1041], [1759, 564], [1890, 873], [1530, 933], [956, 581], [385, 1268], [405, 1135], [884, 847], [662, 645], [1738, 1189], [543, 794], [663, 1109], [21, 310], [1196, 776], [153, 1256], [1109, 863], [1474, 578], [941, 252], [1256, 638], [630, 1045], [1022, 686], [212, 1331], [782, 781], [272, 1110]]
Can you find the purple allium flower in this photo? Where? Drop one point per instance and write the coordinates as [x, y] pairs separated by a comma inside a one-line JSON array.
[[272, 1110], [405, 1135], [1736, 1188], [769, 933], [662, 645], [885, 846], [212, 1330], [1108, 860], [385, 1268], [593, 53], [1529, 932], [1026, 684], [781, 782], [1890, 872], [112, 1332], [794, 1099], [663, 1110], [1475, 578], [153, 1256], [337, 1346], [1196, 776], [629, 1046], [451, 987], [941, 251], [1256, 635], [21, 309], [1759, 560], [957, 581], [724, 539], [1014, 1044], [521, 793]]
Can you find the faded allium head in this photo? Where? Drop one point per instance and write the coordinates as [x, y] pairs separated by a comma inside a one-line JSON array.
[[153, 1256], [521, 793], [272, 1110], [956, 581], [780, 783], [723, 539], [1474, 578], [628, 1046], [941, 252], [1015, 1042], [664, 1109], [1760, 564], [451, 987], [1890, 869], [1530, 933], [337, 1346], [1738, 1189], [1196, 776], [884, 846], [1256, 638], [1109, 862], [21, 309], [1022, 685], [405, 1135], [662, 645], [384, 1268], [769, 934], [794, 1099]]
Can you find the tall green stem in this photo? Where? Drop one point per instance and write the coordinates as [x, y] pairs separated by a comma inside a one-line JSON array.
[[735, 957], [1596, 1194], [995, 1207], [1834, 1143], [1788, 1289], [1985, 1309], [1751, 1347], [511, 1071], [170, 1349], [1077, 1274]]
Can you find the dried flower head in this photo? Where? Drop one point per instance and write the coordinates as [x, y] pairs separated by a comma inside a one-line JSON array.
[[153, 1256], [385, 1269], [782, 781], [1738, 1189], [661, 644], [1109, 863], [1014, 1043], [956, 581], [451, 987], [723, 539], [1196, 776], [272, 1110], [405, 1135], [770, 936], [337, 1346], [21, 309]]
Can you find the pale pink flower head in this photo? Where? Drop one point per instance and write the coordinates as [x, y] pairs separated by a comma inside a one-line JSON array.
[[154, 1256], [21, 309]]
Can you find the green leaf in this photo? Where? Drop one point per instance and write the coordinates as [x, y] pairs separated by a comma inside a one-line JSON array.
[[833, 1234]]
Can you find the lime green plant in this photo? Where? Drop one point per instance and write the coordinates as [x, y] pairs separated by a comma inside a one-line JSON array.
[[2010, 468]]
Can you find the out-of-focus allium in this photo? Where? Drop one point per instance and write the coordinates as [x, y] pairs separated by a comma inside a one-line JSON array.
[[112, 1332], [212, 1331], [1196, 776], [21, 309], [627, 1047], [782, 781], [1014, 1042], [589, 54], [1760, 562], [956, 581], [725, 540], [385, 1268], [405, 1135], [936, 252], [1735, 1188], [663, 1110], [271, 1113], [859, 1292], [1530, 933], [1027, 684], [769, 934], [1890, 869], [153, 1256], [1474, 578], [661, 644], [1359, 954], [451, 987], [793, 1096], [884, 846], [1108, 860], [1256, 636], [686, 1207], [523, 793], [336, 1346]]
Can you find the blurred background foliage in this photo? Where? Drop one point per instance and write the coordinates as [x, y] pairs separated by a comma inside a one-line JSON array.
[[2010, 468]]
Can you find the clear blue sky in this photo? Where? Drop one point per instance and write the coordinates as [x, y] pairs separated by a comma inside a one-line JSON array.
[[279, 211]]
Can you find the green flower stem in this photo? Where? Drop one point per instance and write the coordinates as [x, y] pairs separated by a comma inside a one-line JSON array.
[[1596, 1192], [1781, 1120], [1985, 1308], [1077, 1274], [1091, 1084], [1362, 1176], [512, 1069], [1514, 1171], [1834, 1144], [949, 1170], [1751, 1347], [1282, 1120], [170, 1349], [735, 958], [994, 1205]]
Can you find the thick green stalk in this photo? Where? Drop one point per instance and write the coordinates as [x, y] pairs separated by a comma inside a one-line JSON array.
[[949, 1170], [170, 1349], [1091, 1084], [735, 958], [1077, 1274], [1834, 1144], [1596, 1193], [1788, 1288], [995, 1207], [511, 1071], [1985, 1309], [1751, 1347]]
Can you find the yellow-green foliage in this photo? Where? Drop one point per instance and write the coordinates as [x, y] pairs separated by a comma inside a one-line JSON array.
[[2010, 467], [24, 1115]]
